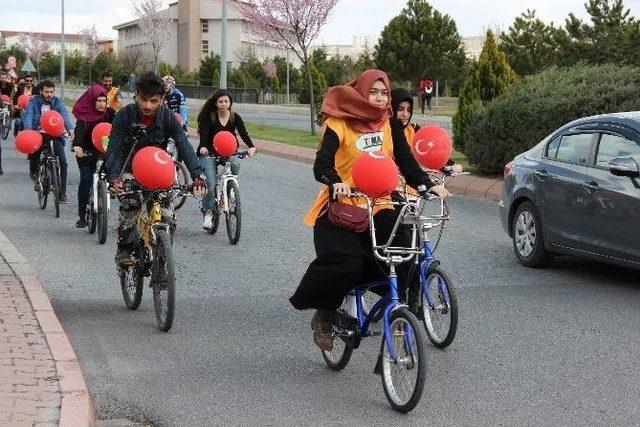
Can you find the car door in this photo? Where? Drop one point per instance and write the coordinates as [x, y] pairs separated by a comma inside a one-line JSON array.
[[559, 190], [612, 220]]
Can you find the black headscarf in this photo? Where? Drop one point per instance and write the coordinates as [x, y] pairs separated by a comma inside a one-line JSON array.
[[399, 95]]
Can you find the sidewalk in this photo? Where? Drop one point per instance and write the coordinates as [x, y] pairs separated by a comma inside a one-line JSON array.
[[41, 382]]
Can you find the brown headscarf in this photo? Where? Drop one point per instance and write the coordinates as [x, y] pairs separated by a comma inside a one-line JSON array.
[[351, 102]]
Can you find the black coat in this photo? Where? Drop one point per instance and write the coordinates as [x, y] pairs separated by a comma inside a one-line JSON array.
[[122, 140]]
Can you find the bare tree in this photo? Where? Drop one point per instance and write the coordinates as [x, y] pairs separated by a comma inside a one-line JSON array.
[[91, 50], [155, 25], [292, 24], [35, 48]]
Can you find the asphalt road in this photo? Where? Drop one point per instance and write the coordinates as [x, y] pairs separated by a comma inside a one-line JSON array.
[[535, 347]]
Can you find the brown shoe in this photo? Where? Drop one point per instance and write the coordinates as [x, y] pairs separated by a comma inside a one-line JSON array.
[[322, 323]]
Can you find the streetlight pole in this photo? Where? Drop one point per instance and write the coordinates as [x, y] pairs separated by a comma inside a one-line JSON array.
[[62, 57], [288, 93], [223, 47]]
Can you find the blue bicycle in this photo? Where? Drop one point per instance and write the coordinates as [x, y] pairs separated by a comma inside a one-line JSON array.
[[437, 304], [402, 361]]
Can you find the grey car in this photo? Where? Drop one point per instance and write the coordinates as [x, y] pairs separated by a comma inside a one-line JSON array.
[[577, 192]]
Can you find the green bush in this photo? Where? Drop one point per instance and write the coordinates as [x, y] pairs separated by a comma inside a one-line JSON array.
[[531, 109]]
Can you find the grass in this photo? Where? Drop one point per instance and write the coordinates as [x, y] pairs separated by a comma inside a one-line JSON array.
[[301, 138]]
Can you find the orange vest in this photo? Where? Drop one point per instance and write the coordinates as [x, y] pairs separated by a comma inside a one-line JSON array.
[[409, 133], [352, 144], [112, 99]]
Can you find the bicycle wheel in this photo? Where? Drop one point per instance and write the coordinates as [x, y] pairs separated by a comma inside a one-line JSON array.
[[6, 127], [403, 378], [215, 213], [90, 215], [131, 283], [42, 186], [441, 319], [163, 281], [233, 216], [182, 178], [54, 173], [102, 212]]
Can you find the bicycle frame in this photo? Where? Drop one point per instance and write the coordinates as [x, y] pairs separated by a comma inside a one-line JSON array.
[[225, 177], [420, 251]]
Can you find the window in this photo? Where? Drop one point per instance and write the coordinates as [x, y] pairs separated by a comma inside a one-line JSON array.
[[204, 25], [552, 148], [205, 47], [612, 146], [574, 148]]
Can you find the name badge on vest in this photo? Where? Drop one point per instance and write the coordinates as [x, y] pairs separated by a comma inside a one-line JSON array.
[[369, 142]]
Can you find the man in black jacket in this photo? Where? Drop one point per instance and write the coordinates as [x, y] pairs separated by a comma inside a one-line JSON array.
[[142, 124]]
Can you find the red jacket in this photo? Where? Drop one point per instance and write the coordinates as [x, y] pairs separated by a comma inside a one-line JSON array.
[[426, 84]]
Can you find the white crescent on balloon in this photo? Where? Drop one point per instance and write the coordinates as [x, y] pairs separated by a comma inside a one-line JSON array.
[[55, 120], [156, 157], [420, 151]]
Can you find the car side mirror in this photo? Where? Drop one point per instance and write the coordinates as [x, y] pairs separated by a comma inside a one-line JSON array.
[[624, 166]]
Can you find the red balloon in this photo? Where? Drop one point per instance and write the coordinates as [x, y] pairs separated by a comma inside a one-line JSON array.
[[52, 123], [375, 174], [153, 168], [23, 101], [432, 147], [178, 117], [6, 99], [28, 141], [225, 143], [100, 135]]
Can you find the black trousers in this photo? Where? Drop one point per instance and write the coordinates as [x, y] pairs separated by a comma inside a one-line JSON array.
[[345, 260]]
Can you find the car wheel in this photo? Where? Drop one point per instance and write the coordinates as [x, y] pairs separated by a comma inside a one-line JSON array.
[[528, 237]]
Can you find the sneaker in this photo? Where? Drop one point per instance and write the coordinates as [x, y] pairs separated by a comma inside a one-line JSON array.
[[207, 224], [123, 258], [63, 199], [321, 324], [81, 223]]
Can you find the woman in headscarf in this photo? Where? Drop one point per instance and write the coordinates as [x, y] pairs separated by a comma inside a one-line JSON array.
[[89, 110], [357, 119], [402, 106]]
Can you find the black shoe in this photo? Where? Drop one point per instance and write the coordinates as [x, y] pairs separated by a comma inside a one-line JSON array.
[[81, 223], [63, 199], [123, 257]]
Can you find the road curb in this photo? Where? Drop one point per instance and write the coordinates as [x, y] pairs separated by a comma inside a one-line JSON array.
[[76, 407], [489, 188]]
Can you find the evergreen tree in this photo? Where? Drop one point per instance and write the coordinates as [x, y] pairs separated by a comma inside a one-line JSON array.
[[612, 36], [530, 45], [421, 41], [488, 78]]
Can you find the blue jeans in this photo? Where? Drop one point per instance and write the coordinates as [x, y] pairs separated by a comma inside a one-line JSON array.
[[210, 173], [84, 187]]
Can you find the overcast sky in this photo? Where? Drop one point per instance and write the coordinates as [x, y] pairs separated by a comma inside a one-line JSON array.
[[350, 17]]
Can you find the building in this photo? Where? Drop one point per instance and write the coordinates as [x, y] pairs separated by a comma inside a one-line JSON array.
[[360, 45], [194, 32], [72, 42]]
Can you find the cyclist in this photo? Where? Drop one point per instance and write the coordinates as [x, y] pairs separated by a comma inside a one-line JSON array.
[[402, 106], [216, 116], [175, 100], [89, 110], [357, 119], [2, 107], [6, 84], [45, 101], [25, 88], [159, 124], [114, 97]]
